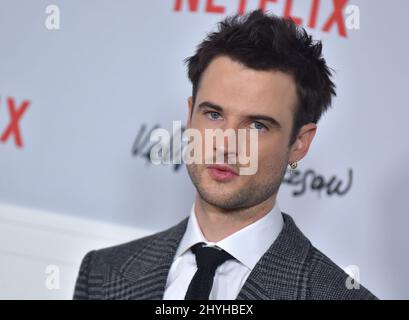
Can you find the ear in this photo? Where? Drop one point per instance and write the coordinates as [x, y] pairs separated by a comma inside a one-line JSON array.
[[304, 139], [190, 110]]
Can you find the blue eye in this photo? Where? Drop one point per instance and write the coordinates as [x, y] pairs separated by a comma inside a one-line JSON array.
[[213, 115], [258, 126]]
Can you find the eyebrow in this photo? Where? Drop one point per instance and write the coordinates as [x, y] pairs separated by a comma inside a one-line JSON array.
[[273, 122]]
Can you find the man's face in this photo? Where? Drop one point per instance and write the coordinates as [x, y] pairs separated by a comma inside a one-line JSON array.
[[242, 95]]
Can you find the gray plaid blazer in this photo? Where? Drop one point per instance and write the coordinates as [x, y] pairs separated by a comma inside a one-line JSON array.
[[292, 268]]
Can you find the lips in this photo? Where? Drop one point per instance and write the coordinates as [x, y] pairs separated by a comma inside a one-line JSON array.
[[222, 173]]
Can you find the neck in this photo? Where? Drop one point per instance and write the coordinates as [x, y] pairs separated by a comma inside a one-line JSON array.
[[217, 223]]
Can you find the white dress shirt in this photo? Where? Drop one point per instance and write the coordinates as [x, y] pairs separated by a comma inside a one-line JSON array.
[[246, 245]]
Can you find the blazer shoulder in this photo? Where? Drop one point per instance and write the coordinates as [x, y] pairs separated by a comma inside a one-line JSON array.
[[329, 281], [97, 265], [116, 256]]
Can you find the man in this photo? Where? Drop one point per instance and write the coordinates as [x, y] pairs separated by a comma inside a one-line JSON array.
[[263, 74]]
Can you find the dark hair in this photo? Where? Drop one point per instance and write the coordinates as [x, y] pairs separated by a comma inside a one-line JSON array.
[[267, 42]]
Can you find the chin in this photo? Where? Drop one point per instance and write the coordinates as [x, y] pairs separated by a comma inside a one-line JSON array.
[[220, 199]]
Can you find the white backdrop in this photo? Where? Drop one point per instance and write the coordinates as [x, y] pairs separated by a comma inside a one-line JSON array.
[[114, 70]]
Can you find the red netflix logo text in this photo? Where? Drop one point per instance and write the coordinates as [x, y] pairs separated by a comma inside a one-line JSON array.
[[334, 20], [12, 129]]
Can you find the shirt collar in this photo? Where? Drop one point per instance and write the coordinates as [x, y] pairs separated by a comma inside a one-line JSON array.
[[247, 245]]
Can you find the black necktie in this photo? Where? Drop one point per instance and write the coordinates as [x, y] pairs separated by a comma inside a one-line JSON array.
[[207, 260]]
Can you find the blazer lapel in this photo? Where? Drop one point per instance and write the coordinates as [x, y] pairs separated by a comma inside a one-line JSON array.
[[144, 275], [280, 273]]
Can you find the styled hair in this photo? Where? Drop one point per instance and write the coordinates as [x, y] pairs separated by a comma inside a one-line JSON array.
[[267, 42]]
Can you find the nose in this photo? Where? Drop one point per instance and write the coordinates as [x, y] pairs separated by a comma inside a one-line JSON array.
[[226, 149]]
